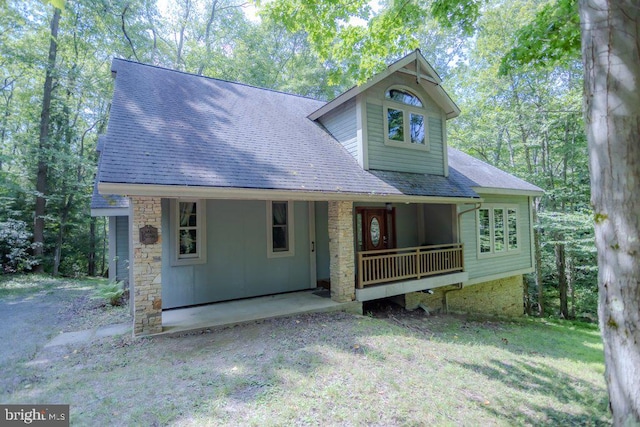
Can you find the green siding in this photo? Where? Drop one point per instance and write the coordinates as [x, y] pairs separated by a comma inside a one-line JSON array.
[[237, 264], [400, 159], [122, 248], [341, 123], [489, 266]]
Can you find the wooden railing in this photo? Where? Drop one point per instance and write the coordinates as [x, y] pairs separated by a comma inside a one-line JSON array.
[[388, 265]]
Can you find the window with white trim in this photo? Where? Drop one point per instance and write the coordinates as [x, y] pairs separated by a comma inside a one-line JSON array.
[[497, 230], [405, 119], [188, 218], [280, 238]]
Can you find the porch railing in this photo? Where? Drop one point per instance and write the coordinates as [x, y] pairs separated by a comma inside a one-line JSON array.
[[388, 265]]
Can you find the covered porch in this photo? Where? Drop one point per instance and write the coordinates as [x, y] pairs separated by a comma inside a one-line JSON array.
[[236, 312], [389, 272]]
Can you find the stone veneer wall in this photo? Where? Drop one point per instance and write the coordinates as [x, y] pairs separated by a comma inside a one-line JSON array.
[[147, 266], [497, 297], [341, 251]]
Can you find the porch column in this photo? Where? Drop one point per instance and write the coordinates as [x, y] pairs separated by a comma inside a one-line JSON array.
[[146, 262], [341, 251]]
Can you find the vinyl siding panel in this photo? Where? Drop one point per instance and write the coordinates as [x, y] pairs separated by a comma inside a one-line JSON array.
[[400, 159], [489, 266], [341, 124], [122, 248], [237, 263]]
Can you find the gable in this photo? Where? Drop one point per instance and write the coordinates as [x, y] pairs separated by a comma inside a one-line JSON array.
[[404, 156]]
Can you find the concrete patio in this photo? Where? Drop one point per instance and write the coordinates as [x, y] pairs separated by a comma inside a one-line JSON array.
[[252, 309]]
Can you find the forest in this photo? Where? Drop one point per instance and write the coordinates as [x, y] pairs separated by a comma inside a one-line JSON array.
[[520, 115]]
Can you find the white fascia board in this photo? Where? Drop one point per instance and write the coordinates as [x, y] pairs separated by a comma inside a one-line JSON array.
[[110, 212], [507, 191], [178, 191]]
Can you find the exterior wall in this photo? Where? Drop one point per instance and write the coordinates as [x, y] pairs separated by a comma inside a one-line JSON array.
[[342, 262], [146, 267], [322, 241], [341, 123], [381, 156], [439, 224], [486, 267], [498, 297], [122, 248], [237, 264]]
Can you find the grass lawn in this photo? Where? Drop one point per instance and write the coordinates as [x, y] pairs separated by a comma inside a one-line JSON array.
[[387, 368]]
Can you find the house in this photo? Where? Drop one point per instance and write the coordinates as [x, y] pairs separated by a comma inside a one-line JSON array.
[[226, 191]]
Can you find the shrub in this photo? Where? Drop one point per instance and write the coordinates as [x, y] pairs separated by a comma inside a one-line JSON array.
[[15, 247], [112, 292]]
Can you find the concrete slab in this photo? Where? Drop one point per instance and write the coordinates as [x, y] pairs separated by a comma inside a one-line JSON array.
[[252, 309], [112, 330], [80, 337], [67, 338]]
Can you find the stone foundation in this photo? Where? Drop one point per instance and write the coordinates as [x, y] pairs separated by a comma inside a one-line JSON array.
[[502, 297], [146, 262], [341, 264]]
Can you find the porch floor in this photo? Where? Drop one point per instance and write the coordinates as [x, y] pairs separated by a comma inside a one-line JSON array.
[[251, 309]]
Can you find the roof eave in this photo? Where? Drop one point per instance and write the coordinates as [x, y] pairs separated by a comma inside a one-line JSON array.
[[508, 191], [109, 211], [233, 193]]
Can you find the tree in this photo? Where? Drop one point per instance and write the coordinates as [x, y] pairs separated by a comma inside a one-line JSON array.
[[611, 56], [44, 143]]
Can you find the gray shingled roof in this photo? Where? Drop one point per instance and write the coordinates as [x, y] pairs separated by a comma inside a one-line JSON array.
[[480, 174], [172, 128], [427, 185]]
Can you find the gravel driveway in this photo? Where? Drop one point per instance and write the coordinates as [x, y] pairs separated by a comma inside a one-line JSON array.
[[35, 309]]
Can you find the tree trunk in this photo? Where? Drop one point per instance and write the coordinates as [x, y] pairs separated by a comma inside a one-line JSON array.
[[611, 56], [41, 180], [538, 259], [561, 266]]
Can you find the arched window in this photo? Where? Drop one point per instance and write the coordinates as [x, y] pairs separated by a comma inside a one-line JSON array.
[[405, 119], [404, 97]]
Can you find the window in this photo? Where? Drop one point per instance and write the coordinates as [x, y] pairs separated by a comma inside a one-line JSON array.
[[188, 217], [404, 119], [497, 230], [280, 229]]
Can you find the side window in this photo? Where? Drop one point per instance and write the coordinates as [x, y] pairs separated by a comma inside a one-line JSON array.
[[497, 230], [512, 224], [188, 239], [484, 230], [188, 219], [280, 238]]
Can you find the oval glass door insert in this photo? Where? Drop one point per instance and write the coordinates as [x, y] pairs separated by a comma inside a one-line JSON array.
[[375, 231]]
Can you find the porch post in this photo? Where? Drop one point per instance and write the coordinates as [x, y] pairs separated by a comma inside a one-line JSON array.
[[146, 262], [341, 251]]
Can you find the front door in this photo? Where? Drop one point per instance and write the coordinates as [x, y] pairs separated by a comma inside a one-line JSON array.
[[377, 229]]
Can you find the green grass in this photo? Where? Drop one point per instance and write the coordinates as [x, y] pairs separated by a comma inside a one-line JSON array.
[[334, 369]]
